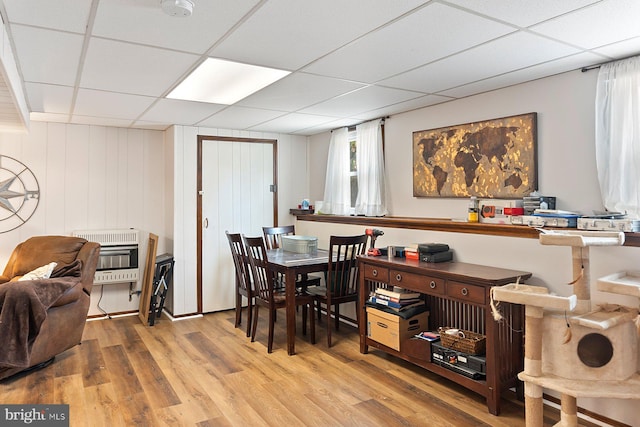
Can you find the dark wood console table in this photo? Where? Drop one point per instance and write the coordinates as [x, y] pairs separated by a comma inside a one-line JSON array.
[[458, 295]]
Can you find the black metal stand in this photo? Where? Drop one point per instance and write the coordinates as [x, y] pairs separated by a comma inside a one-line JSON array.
[[162, 279]]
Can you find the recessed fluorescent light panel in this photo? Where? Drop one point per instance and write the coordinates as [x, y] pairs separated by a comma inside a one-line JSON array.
[[224, 82]]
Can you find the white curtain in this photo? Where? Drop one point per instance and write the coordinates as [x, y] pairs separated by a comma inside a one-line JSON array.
[[618, 135], [337, 187], [371, 199]]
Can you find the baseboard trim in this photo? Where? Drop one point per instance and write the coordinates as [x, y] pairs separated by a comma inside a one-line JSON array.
[[111, 315]]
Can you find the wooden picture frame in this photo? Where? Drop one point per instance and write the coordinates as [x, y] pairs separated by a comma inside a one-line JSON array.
[[147, 280], [489, 159]]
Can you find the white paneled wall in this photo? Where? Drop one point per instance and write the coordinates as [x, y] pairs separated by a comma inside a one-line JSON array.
[[292, 182], [92, 177]]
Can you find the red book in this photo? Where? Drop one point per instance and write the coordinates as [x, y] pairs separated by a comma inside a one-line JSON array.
[[411, 255]]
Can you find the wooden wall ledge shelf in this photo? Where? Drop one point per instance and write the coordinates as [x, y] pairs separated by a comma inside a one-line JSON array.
[[444, 224]]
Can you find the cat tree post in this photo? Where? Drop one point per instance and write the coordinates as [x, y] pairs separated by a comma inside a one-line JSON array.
[[581, 277], [535, 299], [533, 365], [568, 411]]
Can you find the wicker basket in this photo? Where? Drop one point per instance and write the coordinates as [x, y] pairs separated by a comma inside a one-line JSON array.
[[470, 343]]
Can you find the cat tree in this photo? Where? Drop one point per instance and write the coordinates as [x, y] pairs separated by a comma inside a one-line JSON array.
[[570, 346]]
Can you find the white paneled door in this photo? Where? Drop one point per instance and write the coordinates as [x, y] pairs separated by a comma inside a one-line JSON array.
[[237, 179]]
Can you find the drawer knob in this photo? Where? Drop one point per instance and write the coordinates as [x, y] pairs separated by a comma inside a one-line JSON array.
[[465, 291], [432, 285], [399, 277], [374, 273]]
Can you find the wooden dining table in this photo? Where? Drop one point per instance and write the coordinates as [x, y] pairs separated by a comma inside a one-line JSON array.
[[290, 264]]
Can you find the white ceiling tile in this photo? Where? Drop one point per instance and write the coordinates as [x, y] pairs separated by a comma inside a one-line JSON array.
[[288, 34], [509, 53], [522, 12], [108, 104], [603, 23], [622, 49], [361, 100], [239, 118], [49, 98], [400, 107], [128, 68], [145, 22], [298, 90], [66, 15], [425, 36], [47, 56], [180, 112], [569, 63], [324, 127], [291, 123]]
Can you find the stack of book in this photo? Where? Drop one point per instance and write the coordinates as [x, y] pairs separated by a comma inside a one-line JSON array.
[[411, 251], [397, 299]]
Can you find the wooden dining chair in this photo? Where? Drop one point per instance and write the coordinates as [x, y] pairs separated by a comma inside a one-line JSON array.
[[273, 235], [266, 294], [244, 287], [341, 278], [273, 240]]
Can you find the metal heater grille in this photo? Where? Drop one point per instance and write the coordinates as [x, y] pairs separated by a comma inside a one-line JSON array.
[[110, 237]]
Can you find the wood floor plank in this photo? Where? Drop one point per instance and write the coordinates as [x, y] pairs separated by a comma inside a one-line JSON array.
[[153, 380], [267, 405], [193, 396], [293, 395], [94, 372], [40, 386], [68, 363], [212, 353], [123, 376], [383, 414], [205, 372], [237, 411], [102, 406], [69, 389]]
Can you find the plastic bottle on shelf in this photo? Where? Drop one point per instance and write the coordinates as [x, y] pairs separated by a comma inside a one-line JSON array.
[[473, 209]]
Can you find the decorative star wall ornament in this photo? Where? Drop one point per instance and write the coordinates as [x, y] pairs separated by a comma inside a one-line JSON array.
[[19, 193]]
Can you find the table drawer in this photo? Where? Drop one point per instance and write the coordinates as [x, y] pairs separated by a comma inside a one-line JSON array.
[[466, 292], [376, 274], [417, 282]]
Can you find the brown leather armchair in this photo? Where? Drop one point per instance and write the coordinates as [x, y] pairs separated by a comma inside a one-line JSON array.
[[43, 317]]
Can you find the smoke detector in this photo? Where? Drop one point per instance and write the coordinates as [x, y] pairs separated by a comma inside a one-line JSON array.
[[180, 8]]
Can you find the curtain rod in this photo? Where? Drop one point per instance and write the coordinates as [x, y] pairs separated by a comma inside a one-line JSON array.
[[595, 67], [350, 126]]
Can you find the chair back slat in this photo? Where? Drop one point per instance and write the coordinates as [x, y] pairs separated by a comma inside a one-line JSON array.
[[273, 235], [240, 260], [262, 275], [342, 275]]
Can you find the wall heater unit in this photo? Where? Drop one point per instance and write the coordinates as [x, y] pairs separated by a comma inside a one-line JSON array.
[[118, 262]]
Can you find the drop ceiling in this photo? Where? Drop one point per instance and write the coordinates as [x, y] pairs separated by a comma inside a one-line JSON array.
[[112, 62]]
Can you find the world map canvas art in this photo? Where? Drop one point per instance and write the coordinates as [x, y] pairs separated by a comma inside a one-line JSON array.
[[491, 159]]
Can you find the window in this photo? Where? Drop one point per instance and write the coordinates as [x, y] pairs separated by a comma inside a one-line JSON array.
[[355, 181], [353, 169]]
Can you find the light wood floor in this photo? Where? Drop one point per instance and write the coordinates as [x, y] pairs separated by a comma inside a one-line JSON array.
[[205, 372]]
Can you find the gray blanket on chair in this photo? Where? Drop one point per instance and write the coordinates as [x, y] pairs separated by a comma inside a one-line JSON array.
[[23, 309]]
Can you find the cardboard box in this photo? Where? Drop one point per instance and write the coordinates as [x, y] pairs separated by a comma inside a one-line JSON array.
[[391, 329]]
